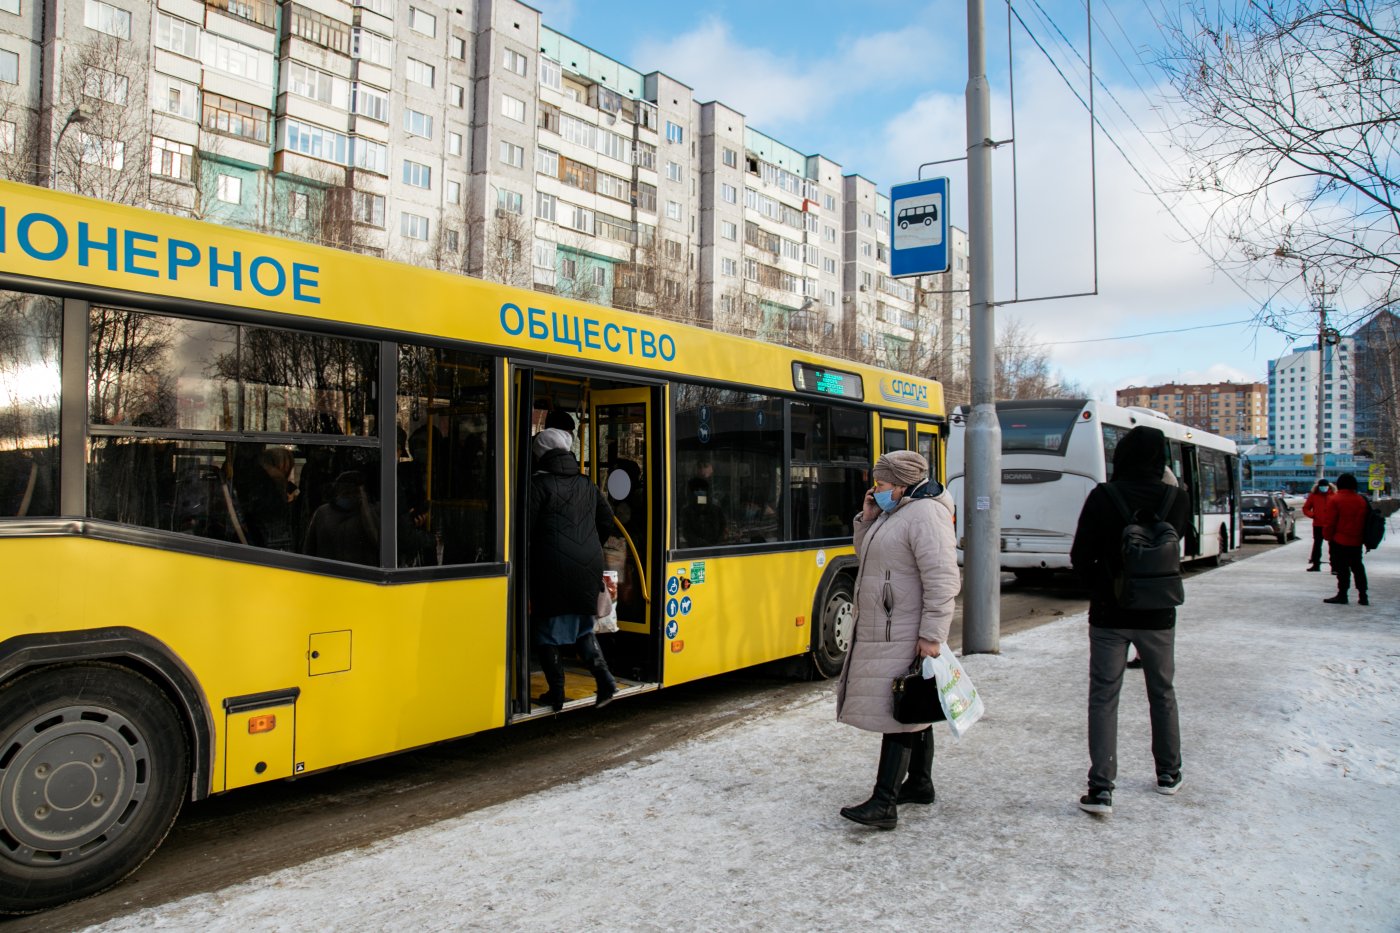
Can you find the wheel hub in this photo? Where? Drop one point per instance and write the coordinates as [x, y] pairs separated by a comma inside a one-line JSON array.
[[71, 781], [843, 623]]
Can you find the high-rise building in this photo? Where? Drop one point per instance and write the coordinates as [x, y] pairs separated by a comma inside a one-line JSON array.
[[1293, 399], [1230, 409], [1378, 387], [471, 137]]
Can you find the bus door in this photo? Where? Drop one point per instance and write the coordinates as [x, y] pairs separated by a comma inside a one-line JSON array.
[[1182, 460], [926, 445], [894, 434], [625, 458]]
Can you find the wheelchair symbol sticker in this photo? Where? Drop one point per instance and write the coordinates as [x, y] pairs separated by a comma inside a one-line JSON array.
[[672, 585]]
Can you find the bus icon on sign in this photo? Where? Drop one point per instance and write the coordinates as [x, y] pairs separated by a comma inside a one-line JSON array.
[[918, 221]]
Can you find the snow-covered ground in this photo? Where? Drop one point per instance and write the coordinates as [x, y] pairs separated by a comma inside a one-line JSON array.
[[1289, 816]]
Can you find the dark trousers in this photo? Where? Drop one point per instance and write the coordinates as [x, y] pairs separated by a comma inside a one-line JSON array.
[[1346, 561], [1316, 558], [1108, 653]]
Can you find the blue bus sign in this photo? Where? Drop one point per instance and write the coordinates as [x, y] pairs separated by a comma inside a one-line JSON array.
[[919, 228]]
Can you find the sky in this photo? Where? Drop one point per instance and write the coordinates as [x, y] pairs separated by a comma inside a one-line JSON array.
[[1288, 816], [878, 86]]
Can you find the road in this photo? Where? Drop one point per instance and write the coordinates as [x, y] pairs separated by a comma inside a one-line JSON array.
[[241, 836]]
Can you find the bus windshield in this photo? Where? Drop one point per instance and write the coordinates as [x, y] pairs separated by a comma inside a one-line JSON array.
[[1036, 430]]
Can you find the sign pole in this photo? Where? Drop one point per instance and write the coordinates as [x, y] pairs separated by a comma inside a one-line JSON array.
[[982, 499]]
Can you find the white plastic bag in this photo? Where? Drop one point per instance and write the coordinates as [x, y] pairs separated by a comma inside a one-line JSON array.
[[962, 704], [605, 620]]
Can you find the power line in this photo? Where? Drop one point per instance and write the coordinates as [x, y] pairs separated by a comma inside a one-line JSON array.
[[1152, 333]]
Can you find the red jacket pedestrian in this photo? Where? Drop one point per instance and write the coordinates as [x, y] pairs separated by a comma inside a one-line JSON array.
[[1318, 506], [1347, 517]]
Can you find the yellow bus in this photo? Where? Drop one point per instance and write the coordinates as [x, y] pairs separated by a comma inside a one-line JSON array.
[[262, 512]]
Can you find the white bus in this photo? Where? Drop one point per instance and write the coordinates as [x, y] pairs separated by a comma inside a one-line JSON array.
[[1053, 451]]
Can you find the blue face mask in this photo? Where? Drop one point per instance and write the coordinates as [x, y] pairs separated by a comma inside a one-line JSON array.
[[884, 498]]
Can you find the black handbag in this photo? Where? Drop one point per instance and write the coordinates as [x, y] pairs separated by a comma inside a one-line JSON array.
[[916, 699]]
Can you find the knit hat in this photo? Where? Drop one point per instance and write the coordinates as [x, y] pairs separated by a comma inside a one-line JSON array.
[[901, 467], [551, 439]]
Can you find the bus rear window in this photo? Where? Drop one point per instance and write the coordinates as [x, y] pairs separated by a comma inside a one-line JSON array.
[[1037, 430]]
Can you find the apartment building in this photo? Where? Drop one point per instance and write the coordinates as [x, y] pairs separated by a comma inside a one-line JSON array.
[[469, 137], [1293, 399], [1238, 411]]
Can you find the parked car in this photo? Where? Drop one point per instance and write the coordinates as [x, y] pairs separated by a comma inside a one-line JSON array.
[[1266, 513]]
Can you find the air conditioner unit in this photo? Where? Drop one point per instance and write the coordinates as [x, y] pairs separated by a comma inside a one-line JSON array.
[[862, 288], [845, 299]]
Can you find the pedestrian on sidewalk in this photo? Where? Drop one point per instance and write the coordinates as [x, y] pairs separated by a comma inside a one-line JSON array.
[[1348, 522], [905, 587], [1138, 462], [1318, 507]]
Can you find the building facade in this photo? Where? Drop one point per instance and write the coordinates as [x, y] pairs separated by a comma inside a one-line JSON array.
[[1378, 387], [1293, 399], [473, 138], [1234, 410]]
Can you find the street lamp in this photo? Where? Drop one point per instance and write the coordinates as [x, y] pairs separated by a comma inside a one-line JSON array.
[[78, 115]]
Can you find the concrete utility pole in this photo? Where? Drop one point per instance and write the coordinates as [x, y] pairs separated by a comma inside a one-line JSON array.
[[1325, 340], [982, 496]]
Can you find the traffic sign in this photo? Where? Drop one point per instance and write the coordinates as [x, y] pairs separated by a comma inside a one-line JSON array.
[[919, 228]]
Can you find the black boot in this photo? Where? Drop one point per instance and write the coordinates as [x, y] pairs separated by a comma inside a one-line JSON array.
[[553, 668], [1339, 600], [880, 810], [1361, 599], [918, 788], [593, 656]]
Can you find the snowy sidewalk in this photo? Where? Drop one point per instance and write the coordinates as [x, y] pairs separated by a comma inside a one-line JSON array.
[[1289, 816]]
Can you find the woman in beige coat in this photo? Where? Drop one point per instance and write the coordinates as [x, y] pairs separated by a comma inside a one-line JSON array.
[[904, 606]]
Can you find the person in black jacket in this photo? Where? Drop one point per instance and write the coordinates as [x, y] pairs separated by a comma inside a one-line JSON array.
[[569, 520], [1139, 462]]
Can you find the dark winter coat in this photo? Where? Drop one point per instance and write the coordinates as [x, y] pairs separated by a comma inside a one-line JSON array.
[[904, 591], [1347, 518], [569, 520], [1138, 464]]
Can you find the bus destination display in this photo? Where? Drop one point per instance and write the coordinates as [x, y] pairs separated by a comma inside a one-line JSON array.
[[822, 381]]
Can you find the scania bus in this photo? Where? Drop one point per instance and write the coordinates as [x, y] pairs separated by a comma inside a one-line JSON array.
[[263, 512], [1054, 451]]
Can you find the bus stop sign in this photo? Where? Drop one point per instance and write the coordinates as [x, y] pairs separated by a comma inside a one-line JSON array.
[[919, 228]]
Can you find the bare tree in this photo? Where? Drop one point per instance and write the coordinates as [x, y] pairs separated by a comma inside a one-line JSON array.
[[1022, 368], [19, 139], [1290, 119]]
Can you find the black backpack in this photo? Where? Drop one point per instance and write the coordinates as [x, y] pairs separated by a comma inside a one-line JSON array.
[[1147, 574], [1374, 529]]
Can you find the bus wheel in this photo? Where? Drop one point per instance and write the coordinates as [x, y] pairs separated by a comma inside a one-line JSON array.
[[94, 765], [1223, 543], [833, 636]]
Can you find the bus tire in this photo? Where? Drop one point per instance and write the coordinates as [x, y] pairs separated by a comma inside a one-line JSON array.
[[94, 766], [835, 629], [1223, 543]]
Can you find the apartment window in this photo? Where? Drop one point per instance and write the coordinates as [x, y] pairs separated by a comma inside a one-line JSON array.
[[511, 154], [514, 61], [674, 133], [175, 97], [546, 206], [673, 210], [457, 95], [7, 135], [114, 21], [417, 124], [372, 47], [319, 29], [454, 144], [382, 7], [305, 81], [646, 197], [417, 174], [728, 267], [453, 191], [550, 75], [369, 102], [547, 162], [568, 269], [235, 58], [453, 241], [97, 150], [729, 193], [105, 85], [368, 154], [619, 189], [229, 189], [298, 205], [457, 48], [576, 218], [314, 141], [512, 202], [644, 154], [673, 171], [829, 202], [413, 226], [577, 175], [177, 35], [422, 22], [513, 108], [367, 208], [731, 158], [421, 72], [170, 159], [234, 118], [829, 265], [9, 67], [728, 230], [829, 234]]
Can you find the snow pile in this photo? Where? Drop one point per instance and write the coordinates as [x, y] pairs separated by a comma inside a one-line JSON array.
[[1289, 817]]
